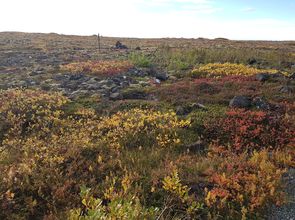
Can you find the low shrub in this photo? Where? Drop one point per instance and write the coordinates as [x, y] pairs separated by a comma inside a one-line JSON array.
[[246, 130], [140, 60], [129, 129], [243, 188], [121, 205], [46, 155], [99, 68], [225, 69], [135, 162]]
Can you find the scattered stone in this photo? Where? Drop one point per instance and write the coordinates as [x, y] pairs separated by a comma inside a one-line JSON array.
[[180, 110], [119, 45], [144, 83], [161, 76], [291, 76], [138, 72], [240, 102], [76, 76], [260, 103], [134, 94], [93, 86], [286, 211], [46, 87], [37, 71], [251, 61], [115, 96], [198, 106], [172, 78], [78, 93], [262, 77], [157, 81]]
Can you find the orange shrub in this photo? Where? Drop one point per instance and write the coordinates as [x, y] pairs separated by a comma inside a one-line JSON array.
[[243, 187], [246, 130]]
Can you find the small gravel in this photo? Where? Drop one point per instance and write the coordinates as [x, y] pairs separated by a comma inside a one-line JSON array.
[[286, 212]]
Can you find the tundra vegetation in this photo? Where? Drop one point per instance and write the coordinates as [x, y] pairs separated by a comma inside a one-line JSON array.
[[156, 138]]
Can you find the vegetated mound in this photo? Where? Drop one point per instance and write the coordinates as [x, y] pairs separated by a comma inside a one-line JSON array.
[[224, 69]]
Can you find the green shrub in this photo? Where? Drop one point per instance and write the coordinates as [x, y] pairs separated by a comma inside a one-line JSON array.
[[140, 59]]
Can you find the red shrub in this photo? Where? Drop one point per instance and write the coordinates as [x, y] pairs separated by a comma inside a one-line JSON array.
[[250, 130]]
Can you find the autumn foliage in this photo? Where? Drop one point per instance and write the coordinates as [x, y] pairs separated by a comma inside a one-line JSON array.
[[243, 186], [133, 164], [224, 69], [243, 130], [99, 68]]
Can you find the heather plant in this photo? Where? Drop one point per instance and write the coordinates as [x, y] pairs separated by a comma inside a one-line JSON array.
[[243, 130]]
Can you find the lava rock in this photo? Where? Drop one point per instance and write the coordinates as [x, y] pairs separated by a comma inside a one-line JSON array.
[[161, 76], [115, 96], [76, 76], [138, 72], [260, 103], [119, 45], [251, 61], [262, 77], [134, 94], [291, 76], [240, 102], [93, 87]]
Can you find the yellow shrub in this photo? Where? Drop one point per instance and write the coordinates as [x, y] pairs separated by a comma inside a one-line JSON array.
[[172, 184], [106, 67], [141, 128], [220, 69], [45, 155]]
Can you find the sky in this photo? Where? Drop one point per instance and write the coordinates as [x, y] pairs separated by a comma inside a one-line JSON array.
[[233, 19]]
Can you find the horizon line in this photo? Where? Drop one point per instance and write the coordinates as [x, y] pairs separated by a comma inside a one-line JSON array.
[[155, 38]]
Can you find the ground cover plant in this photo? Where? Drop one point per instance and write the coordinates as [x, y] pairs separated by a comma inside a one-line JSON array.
[[218, 69], [154, 137], [47, 157], [98, 68]]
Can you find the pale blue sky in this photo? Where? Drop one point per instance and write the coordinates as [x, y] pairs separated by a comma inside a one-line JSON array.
[[234, 19]]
